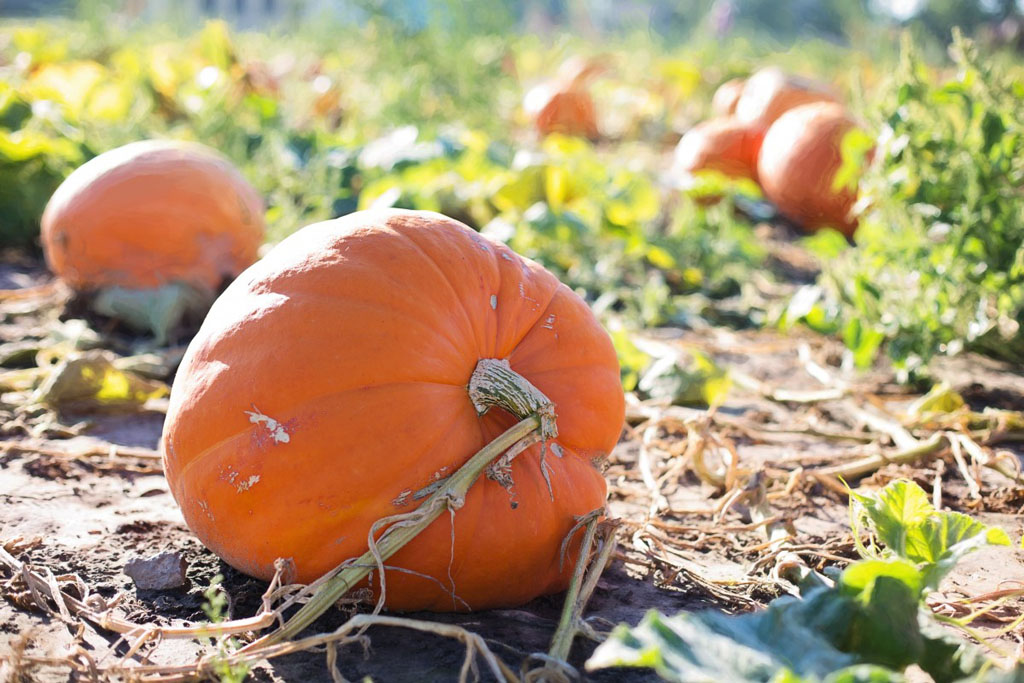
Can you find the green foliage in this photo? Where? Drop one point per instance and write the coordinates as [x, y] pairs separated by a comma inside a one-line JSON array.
[[632, 361], [870, 626], [322, 130], [939, 17], [940, 399], [215, 603], [939, 265], [711, 646], [323, 126], [602, 228], [38, 149], [215, 606], [691, 380], [909, 527]]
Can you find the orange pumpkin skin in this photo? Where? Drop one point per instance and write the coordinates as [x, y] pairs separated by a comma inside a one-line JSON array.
[[723, 102], [563, 104], [770, 93], [150, 213], [328, 383], [799, 159], [723, 145], [569, 111]]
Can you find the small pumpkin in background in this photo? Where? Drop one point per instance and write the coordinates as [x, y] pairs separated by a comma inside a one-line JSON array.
[[798, 162], [724, 145], [336, 378], [770, 92], [564, 104], [150, 231], [723, 102]]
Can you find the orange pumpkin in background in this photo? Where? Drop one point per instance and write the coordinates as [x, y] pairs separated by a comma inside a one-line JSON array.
[[724, 145], [723, 103], [770, 92], [152, 213], [563, 104], [799, 158], [329, 383]]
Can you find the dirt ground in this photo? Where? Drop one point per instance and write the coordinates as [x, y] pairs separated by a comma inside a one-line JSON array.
[[696, 531]]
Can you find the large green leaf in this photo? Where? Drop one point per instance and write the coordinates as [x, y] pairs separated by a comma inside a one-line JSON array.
[[906, 523], [870, 626], [710, 646]]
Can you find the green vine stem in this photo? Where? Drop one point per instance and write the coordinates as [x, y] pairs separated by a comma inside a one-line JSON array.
[[449, 496]]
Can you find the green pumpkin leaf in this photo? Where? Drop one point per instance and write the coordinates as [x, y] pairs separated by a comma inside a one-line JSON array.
[[941, 398], [159, 310], [906, 523]]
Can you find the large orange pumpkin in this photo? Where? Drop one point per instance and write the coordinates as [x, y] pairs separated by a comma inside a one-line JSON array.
[[563, 104], [724, 145], [329, 383], [723, 103], [770, 92], [798, 162], [152, 213]]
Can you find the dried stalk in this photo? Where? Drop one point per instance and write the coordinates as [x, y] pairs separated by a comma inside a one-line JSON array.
[[556, 665], [864, 466]]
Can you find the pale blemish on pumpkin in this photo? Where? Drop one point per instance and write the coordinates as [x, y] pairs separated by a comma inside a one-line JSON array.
[[248, 483], [556, 449], [505, 256], [549, 324], [228, 476], [277, 431], [441, 473], [402, 498], [205, 507], [522, 293], [494, 302]]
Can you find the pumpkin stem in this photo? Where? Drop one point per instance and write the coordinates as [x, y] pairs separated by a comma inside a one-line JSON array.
[[495, 383], [404, 529]]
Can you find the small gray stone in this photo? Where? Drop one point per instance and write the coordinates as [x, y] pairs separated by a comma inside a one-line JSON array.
[[160, 572]]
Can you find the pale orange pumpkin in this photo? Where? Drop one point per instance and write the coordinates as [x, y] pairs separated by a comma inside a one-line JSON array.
[[563, 104], [723, 102], [724, 145], [330, 382], [799, 158], [770, 92], [152, 213]]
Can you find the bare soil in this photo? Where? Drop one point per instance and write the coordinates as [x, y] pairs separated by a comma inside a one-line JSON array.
[[69, 504]]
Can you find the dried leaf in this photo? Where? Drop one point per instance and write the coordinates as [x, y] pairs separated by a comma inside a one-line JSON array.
[[91, 380]]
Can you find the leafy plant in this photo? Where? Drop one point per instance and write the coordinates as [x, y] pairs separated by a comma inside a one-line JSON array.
[[869, 625], [940, 262], [215, 606], [38, 148]]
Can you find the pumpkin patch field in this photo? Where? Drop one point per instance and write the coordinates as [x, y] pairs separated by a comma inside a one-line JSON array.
[[511, 341]]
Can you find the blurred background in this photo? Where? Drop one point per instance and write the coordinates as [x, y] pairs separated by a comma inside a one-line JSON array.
[[330, 106], [836, 20]]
